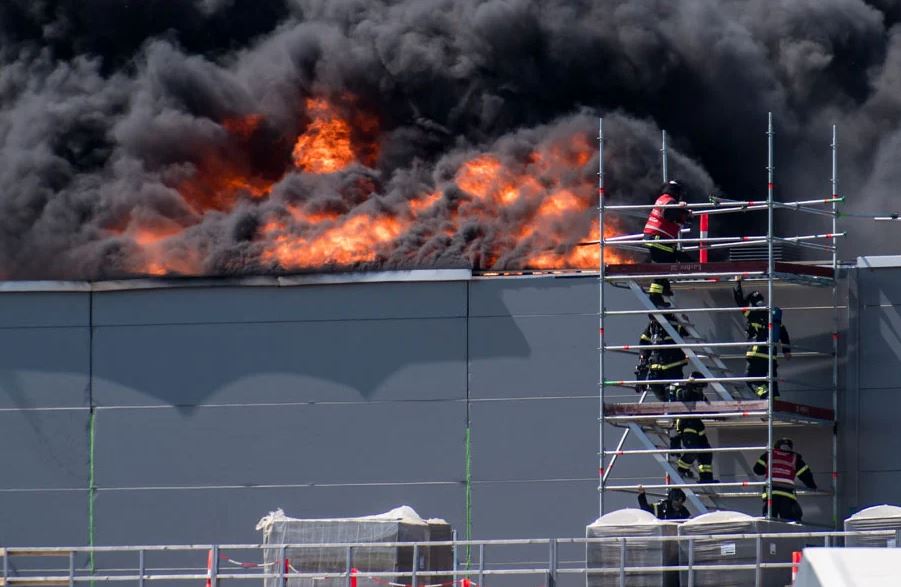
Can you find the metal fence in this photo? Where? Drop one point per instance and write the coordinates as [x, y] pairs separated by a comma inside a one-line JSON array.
[[210, 565]]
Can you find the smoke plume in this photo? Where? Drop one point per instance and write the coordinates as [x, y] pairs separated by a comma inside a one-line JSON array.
[[246, 136]]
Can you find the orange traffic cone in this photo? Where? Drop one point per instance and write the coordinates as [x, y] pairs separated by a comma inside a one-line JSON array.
[[796, 561]]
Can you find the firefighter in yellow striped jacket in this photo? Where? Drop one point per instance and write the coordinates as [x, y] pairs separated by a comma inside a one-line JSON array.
[[660, 363], [757, 326], [691, 432]]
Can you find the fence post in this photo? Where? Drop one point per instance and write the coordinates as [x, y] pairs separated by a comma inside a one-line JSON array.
[[758, 572], [283, 566], [622, 562], [71, 568], [214, 566], [141, 568], [454, 553], [481, 564], [415, 565], [552, 563], [347, 566], [898, 538], [691, 562]]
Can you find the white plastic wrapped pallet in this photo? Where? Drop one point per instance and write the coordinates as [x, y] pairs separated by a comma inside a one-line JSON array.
[[639, 553], [729, 551], [879, 517], [401, 524]]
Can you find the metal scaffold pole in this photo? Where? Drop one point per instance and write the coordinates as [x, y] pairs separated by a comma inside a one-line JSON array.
[[601, 203], [835, 327], [663, 156], [770, 306]]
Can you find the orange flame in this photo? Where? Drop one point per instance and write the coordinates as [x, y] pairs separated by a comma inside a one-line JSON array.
[[325, 146], [351, 242], [544, 201]]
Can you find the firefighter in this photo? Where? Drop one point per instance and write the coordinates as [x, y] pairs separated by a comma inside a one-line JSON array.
[[757, 354], [655, 364], [787, 465], [671, 508], [665, 224], [691, 433]]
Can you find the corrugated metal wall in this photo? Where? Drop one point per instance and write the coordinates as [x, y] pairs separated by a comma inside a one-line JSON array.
[[214, 405]]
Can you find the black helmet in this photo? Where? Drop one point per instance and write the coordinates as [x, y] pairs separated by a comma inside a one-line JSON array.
[[675, 493], [673, 188], [755, 298], [784, 444]]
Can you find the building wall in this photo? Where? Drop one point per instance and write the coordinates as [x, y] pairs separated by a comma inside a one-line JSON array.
[[210, 406], [869, 423]]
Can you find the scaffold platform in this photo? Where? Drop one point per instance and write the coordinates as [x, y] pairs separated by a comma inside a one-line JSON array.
[[703, 274], [738, 412]]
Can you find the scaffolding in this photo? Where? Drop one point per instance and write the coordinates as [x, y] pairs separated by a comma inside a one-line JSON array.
[[649, 422]]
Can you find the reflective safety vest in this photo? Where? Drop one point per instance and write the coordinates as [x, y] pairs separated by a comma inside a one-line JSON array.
[[784, 468], [657, 225]]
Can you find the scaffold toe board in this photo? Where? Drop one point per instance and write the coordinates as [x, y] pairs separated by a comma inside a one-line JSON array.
[[713, 409], [720, 271]]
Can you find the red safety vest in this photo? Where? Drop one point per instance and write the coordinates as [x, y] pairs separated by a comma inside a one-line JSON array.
[[657, 225], [784, 467]]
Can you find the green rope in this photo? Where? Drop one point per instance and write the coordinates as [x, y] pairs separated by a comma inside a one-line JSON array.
[[468, 532]]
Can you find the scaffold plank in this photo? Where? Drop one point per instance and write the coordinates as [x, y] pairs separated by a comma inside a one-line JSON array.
[[716, 407], [724, 267]]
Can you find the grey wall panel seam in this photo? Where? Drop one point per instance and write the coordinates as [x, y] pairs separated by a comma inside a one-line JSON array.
[[534, 398], [85, 326], [122, 488], [280, 321], [276, 404], [547, 480], [44, 490], [47, 409], [557, 315]]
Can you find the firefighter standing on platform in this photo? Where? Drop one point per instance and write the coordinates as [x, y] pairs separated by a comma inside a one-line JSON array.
[[691, 432], [671, 508], [657, 363], [665, 223], [787, 465], [758, 354]]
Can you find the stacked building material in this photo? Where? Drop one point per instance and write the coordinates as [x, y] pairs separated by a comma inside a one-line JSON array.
[[730, 551], [878, 517], [398, 525], [637, 553]]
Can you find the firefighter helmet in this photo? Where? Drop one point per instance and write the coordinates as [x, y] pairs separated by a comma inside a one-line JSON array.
[[673, 188], [675, 493], [784, 444], [777, 315], [755, 298]]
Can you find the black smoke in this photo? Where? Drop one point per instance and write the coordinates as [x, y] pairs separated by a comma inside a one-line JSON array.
[[107, 108]]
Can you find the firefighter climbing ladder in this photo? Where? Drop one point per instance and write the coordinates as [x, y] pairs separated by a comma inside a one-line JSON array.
[[648, 422]]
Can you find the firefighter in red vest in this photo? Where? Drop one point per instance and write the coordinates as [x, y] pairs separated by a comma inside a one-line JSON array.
[[664, 223], [787, 465]]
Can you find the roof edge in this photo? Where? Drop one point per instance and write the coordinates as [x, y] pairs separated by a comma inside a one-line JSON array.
[[417, 275]]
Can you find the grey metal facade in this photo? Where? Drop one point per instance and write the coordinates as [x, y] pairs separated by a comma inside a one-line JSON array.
[[193, 411]]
